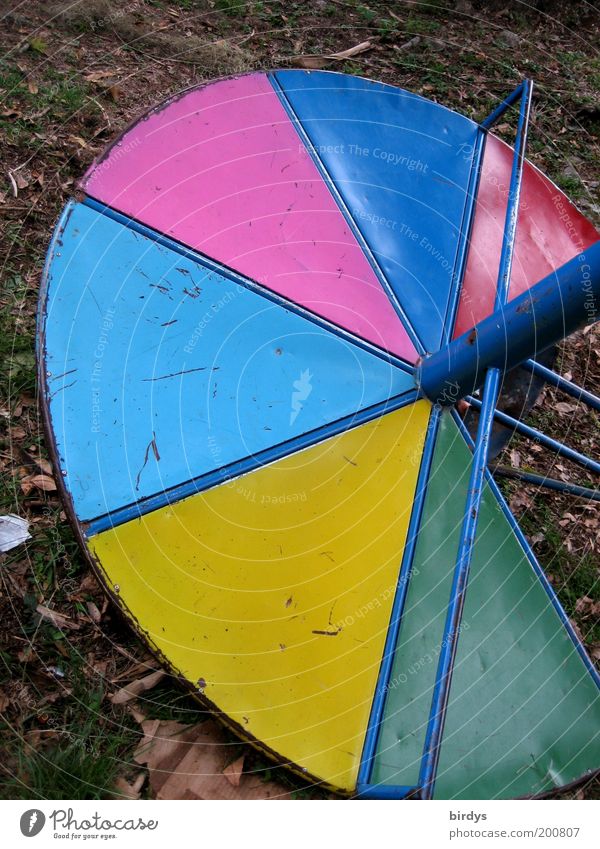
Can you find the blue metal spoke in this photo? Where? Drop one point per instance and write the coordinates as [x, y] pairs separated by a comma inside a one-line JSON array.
[[538, 436], [439, 705], [512, 98], [391, 642], [548, 483], [562, 383], [465, 243]]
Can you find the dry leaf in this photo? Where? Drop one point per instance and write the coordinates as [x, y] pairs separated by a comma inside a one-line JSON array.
[[126, 694], [130, 790], [15, 190], [59, 620], [78, 140], [136, 713], [93, 612], [94, 76], [564, 407], [188, 762], [89, 585], [43, 482], [32, 87], [233, 772], [45, 465], [314, 61], [311, 63], [408, 44]]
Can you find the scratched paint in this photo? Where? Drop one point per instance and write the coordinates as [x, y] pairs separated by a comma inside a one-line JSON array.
[[161, 370], [550, 232], [222, 169], [275, 590]]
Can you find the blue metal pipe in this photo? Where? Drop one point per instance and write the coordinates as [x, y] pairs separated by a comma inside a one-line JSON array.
[[391, 641], [435, 728], [538, 436], [385, 791], [466, 228], [512, 208], [441, 693], [562, 383], [502, 107], [552, 309], [548, 483]]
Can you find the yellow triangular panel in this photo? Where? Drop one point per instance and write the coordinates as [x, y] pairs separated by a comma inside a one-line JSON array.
[[272, 593]]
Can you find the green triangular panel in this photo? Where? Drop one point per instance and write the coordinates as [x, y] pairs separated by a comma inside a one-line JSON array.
[[524, 712]]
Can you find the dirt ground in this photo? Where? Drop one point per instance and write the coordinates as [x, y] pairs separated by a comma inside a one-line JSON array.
[[72, 76]]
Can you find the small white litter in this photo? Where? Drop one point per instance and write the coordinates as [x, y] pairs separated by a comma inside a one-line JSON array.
[[13, 531]]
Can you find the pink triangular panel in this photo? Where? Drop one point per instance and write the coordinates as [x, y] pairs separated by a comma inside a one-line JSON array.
[[222, 169]]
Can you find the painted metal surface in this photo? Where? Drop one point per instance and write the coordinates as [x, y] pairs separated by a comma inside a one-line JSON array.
[[550, 232], [402, 165], [556, 306], [274, 591], [533, 562], [523, 709], [248, 464], [305, 598], [222, 169], [160, 370]]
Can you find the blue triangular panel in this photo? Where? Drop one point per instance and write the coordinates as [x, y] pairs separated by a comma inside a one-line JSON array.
[[401, 165]]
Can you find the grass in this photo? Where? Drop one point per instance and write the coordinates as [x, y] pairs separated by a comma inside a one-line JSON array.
[[81, 760], [84, 748]]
